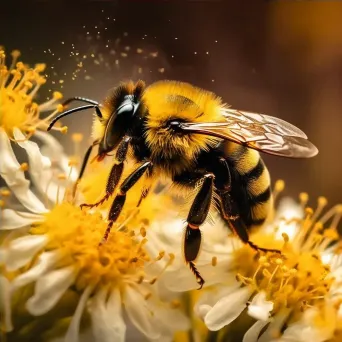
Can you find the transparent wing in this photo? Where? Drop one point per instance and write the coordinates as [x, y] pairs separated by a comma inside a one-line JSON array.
[[261, 132]]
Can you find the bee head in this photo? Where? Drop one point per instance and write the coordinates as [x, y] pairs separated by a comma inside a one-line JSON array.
[[123, 106]]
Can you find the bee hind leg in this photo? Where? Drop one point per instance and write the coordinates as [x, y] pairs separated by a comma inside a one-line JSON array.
[[230, 214], [196, 217]]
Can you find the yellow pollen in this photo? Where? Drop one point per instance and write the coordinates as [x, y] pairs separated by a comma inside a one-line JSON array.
[[24, 167], [2, 203], [62, 176], [15, 53], [19, 84], [142, 231], [77, 137], [285, 237], [76, 234], [5, 193], [175, 304], [161, 255], [298, 278], [303, 197], [279, 185], [214, 261], [322, 201], [73, 162], [64, 129], [148, 296], [60, 108]]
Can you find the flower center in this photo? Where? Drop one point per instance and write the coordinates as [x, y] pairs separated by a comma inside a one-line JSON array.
[[299, 277], [18, 86], [76, 234]]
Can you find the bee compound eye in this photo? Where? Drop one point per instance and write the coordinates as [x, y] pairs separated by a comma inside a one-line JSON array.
[[175, 125]]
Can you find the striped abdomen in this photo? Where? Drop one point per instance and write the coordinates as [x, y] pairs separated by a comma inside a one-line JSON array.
[[250, 183]]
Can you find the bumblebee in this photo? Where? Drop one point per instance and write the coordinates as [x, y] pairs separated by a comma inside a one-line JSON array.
[[188, 135]]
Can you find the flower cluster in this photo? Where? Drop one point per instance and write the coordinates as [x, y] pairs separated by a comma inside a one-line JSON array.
[[57, 282]]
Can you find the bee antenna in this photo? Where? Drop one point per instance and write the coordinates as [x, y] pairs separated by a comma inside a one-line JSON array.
[[73, 110]]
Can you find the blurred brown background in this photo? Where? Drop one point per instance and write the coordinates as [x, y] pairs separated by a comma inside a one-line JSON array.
[[283, 58]]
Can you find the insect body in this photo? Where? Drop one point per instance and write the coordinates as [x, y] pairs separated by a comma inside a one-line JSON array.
[[187, 134]]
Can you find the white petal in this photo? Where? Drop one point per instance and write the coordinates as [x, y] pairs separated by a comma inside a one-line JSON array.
[[253, 332], [15, 219], [15, 178], [49, 289], [40, 166], [22, 250], [44, 263], [210, 297], [182, 279], [5, 303], [202, 310], [107, 322], [260, 308], [139, 314], [170, 320], [227, 309], [55, 152], [73, 332]]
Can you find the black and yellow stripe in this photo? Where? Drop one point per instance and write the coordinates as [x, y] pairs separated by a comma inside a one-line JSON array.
[[251, 183]]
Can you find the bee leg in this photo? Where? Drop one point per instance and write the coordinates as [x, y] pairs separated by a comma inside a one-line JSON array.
[[84, 165], [196, 217], [230, 214], [120, 198], [115, 173], [144, 194]]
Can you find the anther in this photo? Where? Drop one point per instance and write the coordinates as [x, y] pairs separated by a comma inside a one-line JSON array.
[[292, 271], [2, 203], [175, 304], [308, 212], [57, 95], [152, 281], [161, 255], [15, 53], [278, 261], [148, 296], [24, 167], [279, 185], [143, 232], [5, 192], [77, 137], [214, 261], [140, 279], [59, 108], [303, 197], [62, 176], [285, 237], [72, 162], [64, 129], [262, 259]]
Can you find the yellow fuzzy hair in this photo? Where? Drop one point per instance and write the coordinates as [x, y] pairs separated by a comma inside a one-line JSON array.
[[110, 103], [167, 100]]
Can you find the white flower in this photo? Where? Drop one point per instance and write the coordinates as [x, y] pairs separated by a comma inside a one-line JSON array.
[[275, 289], [60, 255]]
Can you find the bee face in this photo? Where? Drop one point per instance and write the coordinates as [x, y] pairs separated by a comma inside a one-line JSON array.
[[119, 123]]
